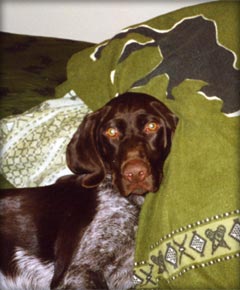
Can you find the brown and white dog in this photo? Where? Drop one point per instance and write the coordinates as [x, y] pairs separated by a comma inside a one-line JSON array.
[[79, 232]]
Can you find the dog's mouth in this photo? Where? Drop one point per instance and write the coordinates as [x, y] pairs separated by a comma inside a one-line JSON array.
[[136, 178], [142, 188], [139, 188], [138, 191]]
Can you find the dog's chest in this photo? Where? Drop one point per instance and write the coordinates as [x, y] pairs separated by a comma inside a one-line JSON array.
[[107, 246], [113, 226]]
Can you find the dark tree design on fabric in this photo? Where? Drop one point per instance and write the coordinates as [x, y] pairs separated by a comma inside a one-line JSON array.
[[190, 51]]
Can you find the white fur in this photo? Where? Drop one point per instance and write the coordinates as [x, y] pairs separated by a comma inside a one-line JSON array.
[[32, 273]]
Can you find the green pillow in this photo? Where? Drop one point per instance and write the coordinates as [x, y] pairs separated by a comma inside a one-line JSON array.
[[189, 232]]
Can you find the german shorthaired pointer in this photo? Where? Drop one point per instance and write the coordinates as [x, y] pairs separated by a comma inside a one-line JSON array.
[[79, 232]]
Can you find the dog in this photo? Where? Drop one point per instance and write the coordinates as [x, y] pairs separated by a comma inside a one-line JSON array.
[[79, 233]]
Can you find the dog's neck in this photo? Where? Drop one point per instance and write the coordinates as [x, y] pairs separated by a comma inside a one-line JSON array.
[[134, 199]]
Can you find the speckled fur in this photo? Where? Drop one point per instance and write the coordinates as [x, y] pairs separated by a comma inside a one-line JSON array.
[[103, 258], [105, 255]]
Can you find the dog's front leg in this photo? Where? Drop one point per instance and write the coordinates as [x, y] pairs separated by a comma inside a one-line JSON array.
[[81, 278], [119, 274]]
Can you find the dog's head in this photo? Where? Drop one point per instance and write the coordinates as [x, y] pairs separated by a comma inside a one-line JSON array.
[[129, 138]]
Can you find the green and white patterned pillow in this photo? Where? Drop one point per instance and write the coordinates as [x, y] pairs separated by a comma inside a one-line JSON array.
[[33, 144]]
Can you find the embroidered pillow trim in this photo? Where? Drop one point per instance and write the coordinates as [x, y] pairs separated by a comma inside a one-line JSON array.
[[201, 244]]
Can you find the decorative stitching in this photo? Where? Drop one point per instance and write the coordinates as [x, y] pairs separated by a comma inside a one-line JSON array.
[[198, 243], [201, 244], [235, 231]]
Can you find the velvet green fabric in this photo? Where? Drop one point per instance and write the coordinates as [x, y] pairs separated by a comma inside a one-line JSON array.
[[188, 233], [31, 68]]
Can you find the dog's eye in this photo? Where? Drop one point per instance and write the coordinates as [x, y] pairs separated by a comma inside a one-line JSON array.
[[112, 132], [151, 127]]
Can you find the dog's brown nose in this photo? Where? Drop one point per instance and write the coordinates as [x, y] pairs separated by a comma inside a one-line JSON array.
[[135, 171]]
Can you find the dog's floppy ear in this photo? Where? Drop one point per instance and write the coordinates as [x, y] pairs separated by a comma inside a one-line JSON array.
[[82, 154]]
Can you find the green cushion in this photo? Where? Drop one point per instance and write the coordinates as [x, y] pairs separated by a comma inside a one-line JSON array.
[[189, 232]]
